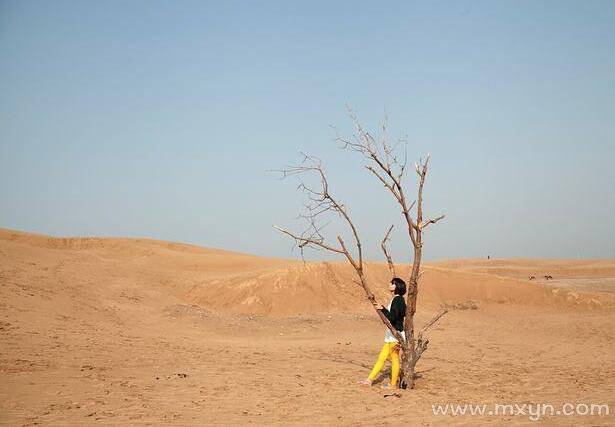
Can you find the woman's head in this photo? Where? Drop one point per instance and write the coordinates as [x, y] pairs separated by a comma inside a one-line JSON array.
[[398, 286]]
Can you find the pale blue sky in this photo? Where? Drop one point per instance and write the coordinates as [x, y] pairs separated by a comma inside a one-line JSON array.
[[160, 119]]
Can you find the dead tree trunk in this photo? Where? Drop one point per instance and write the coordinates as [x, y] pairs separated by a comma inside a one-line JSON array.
[[384, 165]]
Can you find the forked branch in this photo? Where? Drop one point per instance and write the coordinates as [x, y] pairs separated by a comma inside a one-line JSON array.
[[432, 322]]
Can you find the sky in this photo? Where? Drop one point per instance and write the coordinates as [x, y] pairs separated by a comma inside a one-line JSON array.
[[163, 119]]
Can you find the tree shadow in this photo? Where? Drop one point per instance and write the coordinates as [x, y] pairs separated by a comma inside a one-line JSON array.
[[385, 372]]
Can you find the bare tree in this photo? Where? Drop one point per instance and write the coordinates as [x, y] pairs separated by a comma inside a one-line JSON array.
[[385, 166]]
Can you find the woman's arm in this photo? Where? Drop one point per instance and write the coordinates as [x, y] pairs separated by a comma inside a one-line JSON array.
[[397, 310]]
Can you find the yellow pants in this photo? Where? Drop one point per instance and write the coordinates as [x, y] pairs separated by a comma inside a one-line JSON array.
[[390, 350]]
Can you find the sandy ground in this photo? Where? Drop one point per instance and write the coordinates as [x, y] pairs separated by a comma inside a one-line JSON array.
[[120, 331]]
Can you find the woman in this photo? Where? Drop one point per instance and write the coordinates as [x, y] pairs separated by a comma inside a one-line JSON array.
[[395, 312]]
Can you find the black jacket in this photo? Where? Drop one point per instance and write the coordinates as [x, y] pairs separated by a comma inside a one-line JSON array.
[[397, 313]]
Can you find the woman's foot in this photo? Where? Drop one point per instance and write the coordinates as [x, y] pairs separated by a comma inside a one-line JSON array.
[[366, 381]]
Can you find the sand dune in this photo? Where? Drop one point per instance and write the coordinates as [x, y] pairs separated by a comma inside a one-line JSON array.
[[231, 282], [523, 268], [97, 329]]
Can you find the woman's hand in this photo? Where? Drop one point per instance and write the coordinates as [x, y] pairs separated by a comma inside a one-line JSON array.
[[378, 306]]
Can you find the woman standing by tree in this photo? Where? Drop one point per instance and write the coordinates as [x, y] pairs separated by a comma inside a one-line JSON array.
[[395, 312]]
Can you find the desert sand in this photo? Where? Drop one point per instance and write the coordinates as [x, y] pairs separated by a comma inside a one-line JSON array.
[[136, 331]]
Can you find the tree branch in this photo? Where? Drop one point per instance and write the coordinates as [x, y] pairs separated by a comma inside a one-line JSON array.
[[432, 322], [383, 245], [424, 225], [388, 185], [303, 241]]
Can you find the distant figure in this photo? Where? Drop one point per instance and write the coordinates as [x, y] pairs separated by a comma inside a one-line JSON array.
[[532, 277], [548, 277], [488, 257], [390, 350]]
